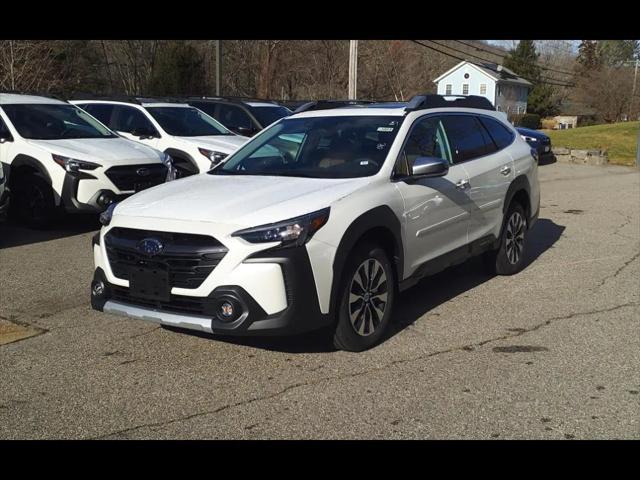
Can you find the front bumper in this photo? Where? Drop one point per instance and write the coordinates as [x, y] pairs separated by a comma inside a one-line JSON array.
[[302, 312]]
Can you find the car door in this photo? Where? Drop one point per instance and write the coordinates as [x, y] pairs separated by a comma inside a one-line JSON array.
[[133, 124], [490, 169], [435, 209]]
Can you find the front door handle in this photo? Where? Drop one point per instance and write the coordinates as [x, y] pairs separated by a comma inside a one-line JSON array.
[[462, 184], [505, 170]]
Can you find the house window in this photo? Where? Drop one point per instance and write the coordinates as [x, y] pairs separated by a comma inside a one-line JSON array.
[[499, 91], [483, 89], [499, 108], [465, 89], [447, 89]]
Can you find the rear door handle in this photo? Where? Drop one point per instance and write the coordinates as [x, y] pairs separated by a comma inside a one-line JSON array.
[[505, 170], [462, 184]]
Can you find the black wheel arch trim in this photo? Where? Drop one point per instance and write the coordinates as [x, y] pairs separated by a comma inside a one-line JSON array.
[[181, 154], [22, 160], [379, 217]]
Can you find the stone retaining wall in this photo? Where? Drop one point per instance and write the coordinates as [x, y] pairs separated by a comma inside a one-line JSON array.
[[589, 157]]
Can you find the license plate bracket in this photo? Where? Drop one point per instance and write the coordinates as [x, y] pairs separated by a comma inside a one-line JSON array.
[[137, 187], [149, 283]]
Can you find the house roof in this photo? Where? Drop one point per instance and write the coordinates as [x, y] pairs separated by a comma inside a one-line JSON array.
[[493, 70]]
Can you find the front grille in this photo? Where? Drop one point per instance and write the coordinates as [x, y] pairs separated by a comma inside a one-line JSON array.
[[178, 303], [132, 177], [189, 258]]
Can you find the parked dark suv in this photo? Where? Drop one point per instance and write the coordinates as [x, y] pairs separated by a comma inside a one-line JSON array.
[[540, 142], [244, 116]]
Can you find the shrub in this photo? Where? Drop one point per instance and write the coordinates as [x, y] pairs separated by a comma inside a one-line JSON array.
[[529, 120]]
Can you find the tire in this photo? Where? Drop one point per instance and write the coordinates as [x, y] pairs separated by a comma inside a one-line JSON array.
[[34, 202], [361, 323], [509, 258]]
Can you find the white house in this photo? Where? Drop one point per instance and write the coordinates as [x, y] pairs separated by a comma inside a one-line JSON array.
[[505, 90]]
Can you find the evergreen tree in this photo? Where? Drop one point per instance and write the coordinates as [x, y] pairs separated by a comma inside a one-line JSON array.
[[523, 60], [588, 56], [614, 52]]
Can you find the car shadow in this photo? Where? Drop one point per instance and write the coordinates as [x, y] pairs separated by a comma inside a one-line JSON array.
[[415, 302], [547, 159], [14, 234]]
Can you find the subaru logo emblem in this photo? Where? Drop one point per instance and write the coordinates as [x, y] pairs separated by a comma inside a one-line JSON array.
[[150, 246], [143, 172]]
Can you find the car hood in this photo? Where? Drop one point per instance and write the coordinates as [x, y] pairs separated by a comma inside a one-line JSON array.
[[103, 151], [220, 143], [244, 200], [532, 133]]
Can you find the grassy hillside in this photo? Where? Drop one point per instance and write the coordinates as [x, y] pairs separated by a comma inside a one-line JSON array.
[[619, 139]]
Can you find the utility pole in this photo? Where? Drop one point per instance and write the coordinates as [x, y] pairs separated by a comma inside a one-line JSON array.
[[218, 68], [353, 69], [633, 91]]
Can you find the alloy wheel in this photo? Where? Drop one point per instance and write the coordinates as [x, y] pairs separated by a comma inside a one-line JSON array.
[[514, 238], [368, 297]]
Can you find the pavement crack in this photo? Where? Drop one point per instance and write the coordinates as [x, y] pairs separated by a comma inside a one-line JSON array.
[[467, 348], [618, 270]]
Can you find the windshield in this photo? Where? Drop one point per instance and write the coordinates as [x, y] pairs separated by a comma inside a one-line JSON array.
[[321, 147], [267, 115], [54, 122], [187, 122]]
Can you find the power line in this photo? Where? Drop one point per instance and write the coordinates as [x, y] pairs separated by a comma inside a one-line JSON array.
[[474, 63], [503, 56]]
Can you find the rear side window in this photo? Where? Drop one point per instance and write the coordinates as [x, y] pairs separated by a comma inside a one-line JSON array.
[[101, 111], [501, 135], [467, 137]]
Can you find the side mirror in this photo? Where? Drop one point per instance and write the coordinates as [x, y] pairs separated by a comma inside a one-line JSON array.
[[143, 133], [429, 167], [246, 131], [6, 138]]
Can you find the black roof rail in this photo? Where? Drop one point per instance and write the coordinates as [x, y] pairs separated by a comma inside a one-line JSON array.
[[137, 99], [329, 104], [231, 99], [114, 98], [422, 102]]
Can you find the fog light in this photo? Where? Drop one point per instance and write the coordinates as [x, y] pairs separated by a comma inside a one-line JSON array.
[[105, 199], [97, 289], [226, 310]]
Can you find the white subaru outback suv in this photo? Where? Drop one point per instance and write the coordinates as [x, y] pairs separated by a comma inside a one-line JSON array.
[[195, 141], [320, 219], [59, 158]]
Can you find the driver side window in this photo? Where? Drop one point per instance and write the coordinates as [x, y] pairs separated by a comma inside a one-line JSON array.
[[130, 120], [427, 139]]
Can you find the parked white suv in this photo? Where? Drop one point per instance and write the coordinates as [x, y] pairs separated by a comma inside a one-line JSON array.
[[58, 157], [320, 219], [195, 141]]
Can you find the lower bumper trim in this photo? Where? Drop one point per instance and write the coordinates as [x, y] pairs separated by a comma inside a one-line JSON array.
[[191, 322]]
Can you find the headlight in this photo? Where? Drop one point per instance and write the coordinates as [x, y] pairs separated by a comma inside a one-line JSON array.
[[292, 233], [105, 217], [528, 139], [73, 165], [213, 156], [171, 170]]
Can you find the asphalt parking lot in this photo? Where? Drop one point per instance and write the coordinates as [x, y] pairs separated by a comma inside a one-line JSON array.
[[551, 353]]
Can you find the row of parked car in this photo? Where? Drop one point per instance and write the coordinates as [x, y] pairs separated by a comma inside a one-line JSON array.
[[83, 154]]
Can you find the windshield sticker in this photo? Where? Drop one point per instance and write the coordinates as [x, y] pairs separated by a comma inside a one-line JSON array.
[[385, 129], [364, 162], [381, 146]]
